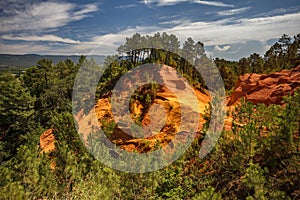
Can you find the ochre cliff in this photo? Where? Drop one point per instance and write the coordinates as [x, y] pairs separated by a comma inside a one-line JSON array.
[[266, 89], [168, 115], [172, 121]]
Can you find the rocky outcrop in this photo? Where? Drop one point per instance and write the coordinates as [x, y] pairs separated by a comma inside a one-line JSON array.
[[167, 117], [266, 89], [170, 118], [47, 140]]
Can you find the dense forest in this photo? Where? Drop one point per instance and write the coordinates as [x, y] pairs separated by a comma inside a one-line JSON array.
[[259, 158]]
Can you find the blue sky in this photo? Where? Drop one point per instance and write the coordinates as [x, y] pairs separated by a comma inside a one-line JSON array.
[[229, 29]]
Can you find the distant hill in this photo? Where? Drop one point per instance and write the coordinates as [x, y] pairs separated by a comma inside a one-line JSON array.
[[9, 61]]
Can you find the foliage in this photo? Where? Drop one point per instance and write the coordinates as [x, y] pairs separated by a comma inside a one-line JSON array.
[[257, 159], [16, 114]]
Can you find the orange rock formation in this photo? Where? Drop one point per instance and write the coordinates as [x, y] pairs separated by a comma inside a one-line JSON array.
[[47, 141], [266, 89]]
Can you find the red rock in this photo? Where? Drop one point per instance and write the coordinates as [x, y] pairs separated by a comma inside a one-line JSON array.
[[267, 89]]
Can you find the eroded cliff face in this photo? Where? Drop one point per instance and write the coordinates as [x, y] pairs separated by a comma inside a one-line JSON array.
[[167, 117], [266, 89]]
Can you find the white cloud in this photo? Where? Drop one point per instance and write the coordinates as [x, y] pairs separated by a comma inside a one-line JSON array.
[[213, 3], [43, 16], [223, 32], [107, 44], [279, 11], [238, 50], [22, 48], [169, 2], [173, 2], [51, 38], [227, 32], [233, 11], [175, 22], [230, 30], [127, 6], [89, 8], [224, 48]]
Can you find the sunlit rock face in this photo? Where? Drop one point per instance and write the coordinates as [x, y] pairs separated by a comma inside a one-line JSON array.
[[266, 89]]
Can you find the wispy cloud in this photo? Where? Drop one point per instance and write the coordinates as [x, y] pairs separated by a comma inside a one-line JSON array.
[[22, 48], [174, 22], [213, 3], [35, 38], [127, 6], [228, 31], [43, 16], [107, 44], [173, 2], [233, 11], [164, 2], [84, 12], [279, 11], [222, 35], [168, 17], [217, 33], [224, 48]]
